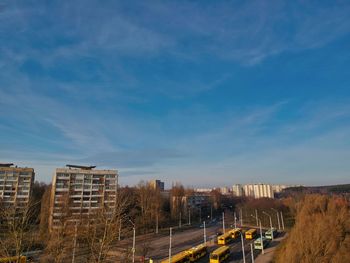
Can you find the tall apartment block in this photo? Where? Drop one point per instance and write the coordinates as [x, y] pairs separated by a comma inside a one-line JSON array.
[[15, 185], [237, 190], [157, 185], [77, 191]]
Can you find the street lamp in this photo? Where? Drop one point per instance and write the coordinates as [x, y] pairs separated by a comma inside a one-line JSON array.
[[133, 241], [282, 220], [242, 242], [270, 223], [223, 222], [262, 244], [278, 218]]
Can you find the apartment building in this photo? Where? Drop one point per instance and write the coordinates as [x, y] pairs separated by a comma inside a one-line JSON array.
[[77, 191], [157, 185], [15, 185], [237, 190]]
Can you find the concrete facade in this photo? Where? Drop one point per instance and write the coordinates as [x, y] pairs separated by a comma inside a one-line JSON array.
[[80, 191], [15, 185]]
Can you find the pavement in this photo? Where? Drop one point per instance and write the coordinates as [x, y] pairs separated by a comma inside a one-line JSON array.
[[269, 252]]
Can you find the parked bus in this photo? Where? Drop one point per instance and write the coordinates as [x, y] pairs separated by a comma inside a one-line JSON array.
[[181, 257], [220, 254], [21, 259], [250, 234], [224, 238], [257, 243], [271, 233], [197, 252], [235, 233]]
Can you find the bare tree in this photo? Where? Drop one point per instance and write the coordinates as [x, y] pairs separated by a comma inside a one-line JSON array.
[[16, 228], [60, 236], [101, 230]]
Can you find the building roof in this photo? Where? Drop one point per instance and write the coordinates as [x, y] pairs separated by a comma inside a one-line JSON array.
[[6, 164], [80, 166]]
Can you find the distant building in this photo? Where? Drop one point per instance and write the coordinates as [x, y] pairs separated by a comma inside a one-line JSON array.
[[263, 190], [237, 190], [15, 185], [248, 190], [79, 190], [203, 190], [224, 190], [157, 185], [258, 190], [277, 188]]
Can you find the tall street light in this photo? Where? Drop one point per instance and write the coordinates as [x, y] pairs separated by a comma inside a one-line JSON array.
[[261, 240], [282, 220], [223, 222], [170, 229], [278, 218], [242, 242], [270, 223], [133, 241]]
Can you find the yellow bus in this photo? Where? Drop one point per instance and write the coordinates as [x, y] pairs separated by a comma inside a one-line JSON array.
[[235, 233], [220, 254], [224, 238], [197, 252], [181, 257], [250, 234], [21, 259]]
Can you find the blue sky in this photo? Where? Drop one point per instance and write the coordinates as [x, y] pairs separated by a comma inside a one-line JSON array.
[[208, 93]]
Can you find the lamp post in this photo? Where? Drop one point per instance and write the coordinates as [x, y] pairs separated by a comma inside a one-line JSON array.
[[252, 251], [261, 240], [278, 218], [180, 221], [256, 216], [282, 220], [241, 216], [204, 234], [120, 229], [270, 223], [242, 242], [170, 229], [235, 219], [223, 222], [133, 241]]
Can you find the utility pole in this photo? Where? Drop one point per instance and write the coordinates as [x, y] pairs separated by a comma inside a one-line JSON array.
[[223, 222], [261, 240], [180, 221], [252, 251], [270, 223], [241, 217], [282, 220], [133, 241], [133, 244], [278, 219], [170, 244], [204, 234], [256, 216], [235, 219], [243, 252], [75, 242], [120, 229]]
